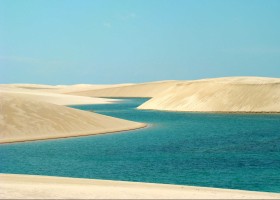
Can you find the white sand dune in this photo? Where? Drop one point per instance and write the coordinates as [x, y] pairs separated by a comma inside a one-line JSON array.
[[29, 86], [60, 99], [46, 187], [84, 87], [62, 88], [233, 94], [133, 90], [23, 119]]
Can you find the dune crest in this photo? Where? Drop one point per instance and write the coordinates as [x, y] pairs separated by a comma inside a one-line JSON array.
[[232, 94], [25, 119]]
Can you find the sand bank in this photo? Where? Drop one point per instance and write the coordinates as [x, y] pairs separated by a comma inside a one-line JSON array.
[[46, 187], [233, 94], [24, 119]]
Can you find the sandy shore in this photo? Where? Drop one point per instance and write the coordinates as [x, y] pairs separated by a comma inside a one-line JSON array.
[[233, 94], [46, 187]]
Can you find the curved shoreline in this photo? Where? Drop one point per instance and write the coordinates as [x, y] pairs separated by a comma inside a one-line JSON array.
[[26, 119], [16, 186], [64, 136]]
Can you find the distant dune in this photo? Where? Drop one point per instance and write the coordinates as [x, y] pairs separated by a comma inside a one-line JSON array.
[[60, 99], [132, 90], [233, 94], [62, 88], [23, 118]]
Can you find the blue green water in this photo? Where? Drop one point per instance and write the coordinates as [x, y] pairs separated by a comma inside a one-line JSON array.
[[240, 151]]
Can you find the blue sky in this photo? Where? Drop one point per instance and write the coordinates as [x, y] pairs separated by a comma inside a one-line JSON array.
[[118, 41]]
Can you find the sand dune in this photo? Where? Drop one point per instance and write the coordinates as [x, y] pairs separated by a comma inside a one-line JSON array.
[[30, 86], [85, 87], [235, 94], [134, 90], [46, 187], [62, 88], [60, 99], [23, 118]]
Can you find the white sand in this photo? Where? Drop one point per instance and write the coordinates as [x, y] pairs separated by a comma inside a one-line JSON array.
[[236, 94], [134, 90], [50, 97], [23, 119], [62, 88], [46, 187]]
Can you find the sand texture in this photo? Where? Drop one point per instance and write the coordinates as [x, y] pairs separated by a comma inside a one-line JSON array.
[[235, 94], [24, 119], [46, 187], [133, 90]]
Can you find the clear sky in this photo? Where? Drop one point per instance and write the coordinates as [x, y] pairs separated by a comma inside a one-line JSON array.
[[118, 41]]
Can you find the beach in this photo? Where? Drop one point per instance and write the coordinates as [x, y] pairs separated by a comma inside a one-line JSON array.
[[46, 187]]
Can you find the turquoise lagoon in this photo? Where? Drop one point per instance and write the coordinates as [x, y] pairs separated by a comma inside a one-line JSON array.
[[238, 151]]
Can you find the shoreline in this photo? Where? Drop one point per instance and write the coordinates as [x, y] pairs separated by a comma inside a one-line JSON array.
[[14, 186], [26, 119], [212, 112], [56, 137]]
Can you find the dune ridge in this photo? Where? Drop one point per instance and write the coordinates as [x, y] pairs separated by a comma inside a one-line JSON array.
[[62, 89], [149, 89], [232, 94], [26, 119]]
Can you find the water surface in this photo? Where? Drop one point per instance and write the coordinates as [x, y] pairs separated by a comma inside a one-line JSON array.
[[239, 151]]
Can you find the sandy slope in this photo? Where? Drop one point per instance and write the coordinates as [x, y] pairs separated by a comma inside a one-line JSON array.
[[23, 118], [60, 99], [134, 90], [40, 187], [235, 94]]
